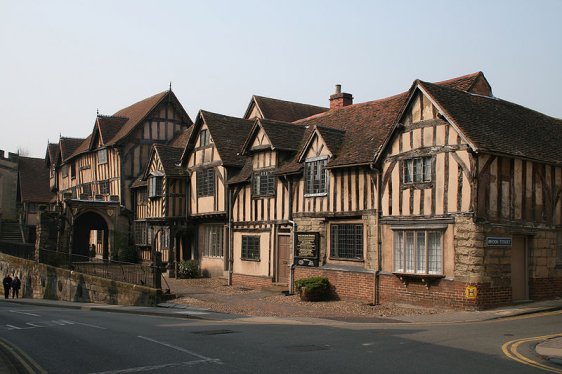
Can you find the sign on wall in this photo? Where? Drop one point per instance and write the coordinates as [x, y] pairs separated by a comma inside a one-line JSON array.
[[307, 249], [471, 292], [498, 241]]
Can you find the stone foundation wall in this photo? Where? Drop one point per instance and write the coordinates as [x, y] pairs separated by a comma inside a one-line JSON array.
[[40, 281]]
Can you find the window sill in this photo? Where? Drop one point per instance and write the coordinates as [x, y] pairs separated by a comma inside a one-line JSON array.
[[426, 279], [319, 194], [250, 259], [259, 197], [346, 259]]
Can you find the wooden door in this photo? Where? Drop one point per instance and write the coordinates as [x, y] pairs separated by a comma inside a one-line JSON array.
[[519, 272], [283, 257]]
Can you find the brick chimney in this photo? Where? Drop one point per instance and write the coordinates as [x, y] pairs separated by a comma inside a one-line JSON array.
[[339, 99]]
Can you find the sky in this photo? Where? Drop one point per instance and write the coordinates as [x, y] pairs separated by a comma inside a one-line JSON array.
[[62, 61]]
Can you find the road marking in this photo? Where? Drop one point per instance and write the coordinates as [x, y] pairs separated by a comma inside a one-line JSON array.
[[26, 313], [155, 367], [510, 349], [215, 360], [55, 323]]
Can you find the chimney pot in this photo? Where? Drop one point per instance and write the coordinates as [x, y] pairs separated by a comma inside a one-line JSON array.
[[338, 88], [340, 99]]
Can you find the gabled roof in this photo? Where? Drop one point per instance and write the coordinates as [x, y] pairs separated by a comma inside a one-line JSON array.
[[170, 158], [284, 136], [137, 112], [282, 110], [497, 126], [68, 146], [52, 154], [228, 134], [108, 127], [368, 124], [33, 180]]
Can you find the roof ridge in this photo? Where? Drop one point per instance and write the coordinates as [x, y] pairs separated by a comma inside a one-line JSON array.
[[289, 101]]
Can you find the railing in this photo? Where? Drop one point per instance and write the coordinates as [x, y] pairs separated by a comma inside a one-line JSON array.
[[139, 274], [26, 251]]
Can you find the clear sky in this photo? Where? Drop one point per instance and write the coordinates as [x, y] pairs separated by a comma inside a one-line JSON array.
[[60, 61]]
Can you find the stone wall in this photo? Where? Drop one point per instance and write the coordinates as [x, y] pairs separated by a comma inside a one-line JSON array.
[[40, 281]]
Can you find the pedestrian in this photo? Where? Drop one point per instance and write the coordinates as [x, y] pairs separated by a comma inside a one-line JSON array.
[[16, 284], [7, 283], [92, 252]]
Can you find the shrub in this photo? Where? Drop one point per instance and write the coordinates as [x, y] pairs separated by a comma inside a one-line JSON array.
[[188, 269], [313, 288]]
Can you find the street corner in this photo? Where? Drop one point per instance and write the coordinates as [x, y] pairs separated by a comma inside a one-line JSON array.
[[540, 352]]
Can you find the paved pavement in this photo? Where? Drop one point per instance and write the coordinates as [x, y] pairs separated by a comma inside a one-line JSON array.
[[551, 349]]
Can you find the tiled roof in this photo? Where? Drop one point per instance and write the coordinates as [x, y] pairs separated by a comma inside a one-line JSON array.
[[83, 147], [228, 134], [52, 154], [281, 110], [33, 180], [244, 174], [498, 126], [170, 158], [68, 146], [139, 182], [367, 125], [137, 112], [109, 126], [181, 138], [283, 136]]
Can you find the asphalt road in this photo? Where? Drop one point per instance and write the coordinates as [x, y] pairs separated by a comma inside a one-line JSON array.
[[61, 340]]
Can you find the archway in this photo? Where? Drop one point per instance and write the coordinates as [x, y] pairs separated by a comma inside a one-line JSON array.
[[90, 228]]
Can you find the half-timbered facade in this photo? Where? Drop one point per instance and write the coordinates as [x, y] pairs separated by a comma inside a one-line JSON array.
[[93, 176], [261, 226], [471, 211], [212, 155]]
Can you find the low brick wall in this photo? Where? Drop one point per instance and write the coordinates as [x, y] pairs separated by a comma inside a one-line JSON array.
[[545, 288], [347, 285], [40, 281], [251, 280]]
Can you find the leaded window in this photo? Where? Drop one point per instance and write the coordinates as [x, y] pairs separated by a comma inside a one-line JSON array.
[[315, 177], [204, 138], [263, 183], [213, 241], [416, 170], [418, 252], [87, 189], [141, 233], [104, 187], [251, 247], [102, 156], [206, 182], [155, 186], [346, 241]]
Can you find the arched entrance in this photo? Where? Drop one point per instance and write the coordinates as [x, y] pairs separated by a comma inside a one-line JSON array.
[[90, 228]]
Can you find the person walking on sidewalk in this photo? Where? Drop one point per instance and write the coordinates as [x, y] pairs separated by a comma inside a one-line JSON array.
[[16, 284], [7, 283]]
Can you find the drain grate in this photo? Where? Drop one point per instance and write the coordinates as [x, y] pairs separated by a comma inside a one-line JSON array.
[[245, 289], [213, 332], [306, 348]]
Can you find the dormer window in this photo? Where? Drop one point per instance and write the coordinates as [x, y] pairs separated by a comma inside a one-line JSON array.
[[102, 156], [263, 184], [315, 177], [204, 138], [155, 186]]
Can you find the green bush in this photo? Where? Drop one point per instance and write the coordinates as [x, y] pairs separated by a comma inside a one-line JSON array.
[[313, 288], [188, 269]]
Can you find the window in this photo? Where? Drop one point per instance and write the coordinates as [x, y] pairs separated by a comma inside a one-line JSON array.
[[87, 189], [141, 233], [164, 239], [102, 156], [250, 247], [418, 252], [206, 182], [142, 197], [31, 208], [64, 171], [416, 170], [263, 184], [155, 186], [212, 241], [73, 170], [104, 188], [346, 241], [315, 177], [204, 138]]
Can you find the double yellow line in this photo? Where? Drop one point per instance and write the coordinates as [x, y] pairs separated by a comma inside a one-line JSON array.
[[510, 349]]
